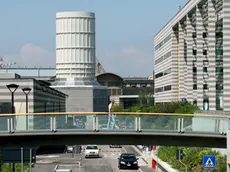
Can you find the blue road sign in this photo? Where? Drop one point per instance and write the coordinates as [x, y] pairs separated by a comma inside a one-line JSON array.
[[209, 161], [183, 100]]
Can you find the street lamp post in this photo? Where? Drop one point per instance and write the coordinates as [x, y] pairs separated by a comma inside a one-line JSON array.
[[12, 88], [27, 92]]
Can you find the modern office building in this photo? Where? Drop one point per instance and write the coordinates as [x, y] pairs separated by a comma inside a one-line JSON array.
[[76, 62], [42, 98], [192, 56]]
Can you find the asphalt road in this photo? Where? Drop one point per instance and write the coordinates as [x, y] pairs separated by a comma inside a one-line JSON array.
[[108, 162]]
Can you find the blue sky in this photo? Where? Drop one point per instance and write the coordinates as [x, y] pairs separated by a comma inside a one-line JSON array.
[[124, 31]]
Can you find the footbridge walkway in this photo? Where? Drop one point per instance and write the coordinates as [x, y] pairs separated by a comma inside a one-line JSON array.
[[125, 128]]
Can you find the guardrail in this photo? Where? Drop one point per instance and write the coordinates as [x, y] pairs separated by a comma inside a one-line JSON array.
[[121, 113], [122, 121]]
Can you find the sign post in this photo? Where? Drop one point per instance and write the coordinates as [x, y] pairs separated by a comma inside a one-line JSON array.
[[209, 161], [22, 160], [30, 160]]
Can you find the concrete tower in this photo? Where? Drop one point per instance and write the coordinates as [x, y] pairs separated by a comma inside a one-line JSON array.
[[75, 62], [75, 46]]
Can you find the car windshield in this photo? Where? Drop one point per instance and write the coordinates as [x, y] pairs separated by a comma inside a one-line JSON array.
[[91, 147], [128, 157]]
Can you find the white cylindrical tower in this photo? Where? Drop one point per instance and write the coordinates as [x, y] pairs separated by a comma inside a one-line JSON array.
[[75, 46]]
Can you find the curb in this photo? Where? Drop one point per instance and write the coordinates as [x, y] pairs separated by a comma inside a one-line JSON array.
[[139, 151]]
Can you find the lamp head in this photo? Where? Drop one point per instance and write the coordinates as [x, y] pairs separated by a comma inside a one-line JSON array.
[[12, 87], [26, 90]]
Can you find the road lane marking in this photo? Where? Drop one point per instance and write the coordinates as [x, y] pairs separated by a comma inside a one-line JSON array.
[[140, 170]]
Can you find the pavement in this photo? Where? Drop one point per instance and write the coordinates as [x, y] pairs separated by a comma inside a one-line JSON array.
[[108, 161]]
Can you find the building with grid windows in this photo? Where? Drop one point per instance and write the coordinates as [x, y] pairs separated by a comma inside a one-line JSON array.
[[192, 56]]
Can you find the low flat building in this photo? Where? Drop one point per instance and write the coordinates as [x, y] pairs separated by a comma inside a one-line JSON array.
[[42, 98], [125, 91]]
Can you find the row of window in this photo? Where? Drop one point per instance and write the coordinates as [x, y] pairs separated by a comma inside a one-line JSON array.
[[165, 88], [167, 55], [205, 34], [205, 52], [163, 42], [205, 69], [166, 72], [205, 86]]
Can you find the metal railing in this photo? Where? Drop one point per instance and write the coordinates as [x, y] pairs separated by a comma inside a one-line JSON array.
[[122, 121]]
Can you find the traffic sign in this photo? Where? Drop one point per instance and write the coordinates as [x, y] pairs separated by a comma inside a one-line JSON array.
[[209, 161], [183, 100]]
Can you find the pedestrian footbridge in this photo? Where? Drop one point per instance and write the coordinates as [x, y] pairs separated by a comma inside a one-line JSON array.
[[124, 128]]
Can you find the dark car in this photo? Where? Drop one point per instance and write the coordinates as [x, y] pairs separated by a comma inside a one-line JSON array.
[[127, 161]]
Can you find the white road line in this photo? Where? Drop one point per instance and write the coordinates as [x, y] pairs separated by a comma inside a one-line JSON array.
[[139, 169], [124, 150]]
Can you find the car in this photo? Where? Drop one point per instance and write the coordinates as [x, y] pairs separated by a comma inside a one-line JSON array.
[[63, 170], [92, 151], [115, 146], [69, 149], [128, 161]]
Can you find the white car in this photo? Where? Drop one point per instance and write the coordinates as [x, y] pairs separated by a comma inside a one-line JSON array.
[[69, 149], [92, 151]]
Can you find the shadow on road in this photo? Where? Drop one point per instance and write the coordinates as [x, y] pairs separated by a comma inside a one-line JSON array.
[[51, 149]]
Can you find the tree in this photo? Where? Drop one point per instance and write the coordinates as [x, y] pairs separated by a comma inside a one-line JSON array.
[[146, 98], [117, 108]]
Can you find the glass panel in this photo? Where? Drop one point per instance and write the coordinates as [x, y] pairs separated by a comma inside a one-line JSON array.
[[3, 124], [35, 123], [159, 123], [74, 122], [116, 122], [205, 124]]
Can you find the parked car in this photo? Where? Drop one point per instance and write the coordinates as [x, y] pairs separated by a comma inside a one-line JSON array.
[[128, 161]]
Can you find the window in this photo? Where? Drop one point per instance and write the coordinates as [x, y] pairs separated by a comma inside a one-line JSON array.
[[194, 86], [219, 52], [219, 87], [204, 34], [159, 75], [205, 52], [194, 69], [91, 147], [129, 157], [194, 52], [167, 88], [219, 34], [167, 55], [205, 69], [219, 69], [159, 60], [157, 90], [194, 34], [168, 71], [163, 42], [205, 86], [205, 62]]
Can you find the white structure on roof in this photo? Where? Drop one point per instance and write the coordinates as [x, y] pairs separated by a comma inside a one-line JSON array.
[[75, 46]]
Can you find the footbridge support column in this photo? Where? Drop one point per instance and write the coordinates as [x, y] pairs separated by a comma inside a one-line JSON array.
[[228, 148]]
